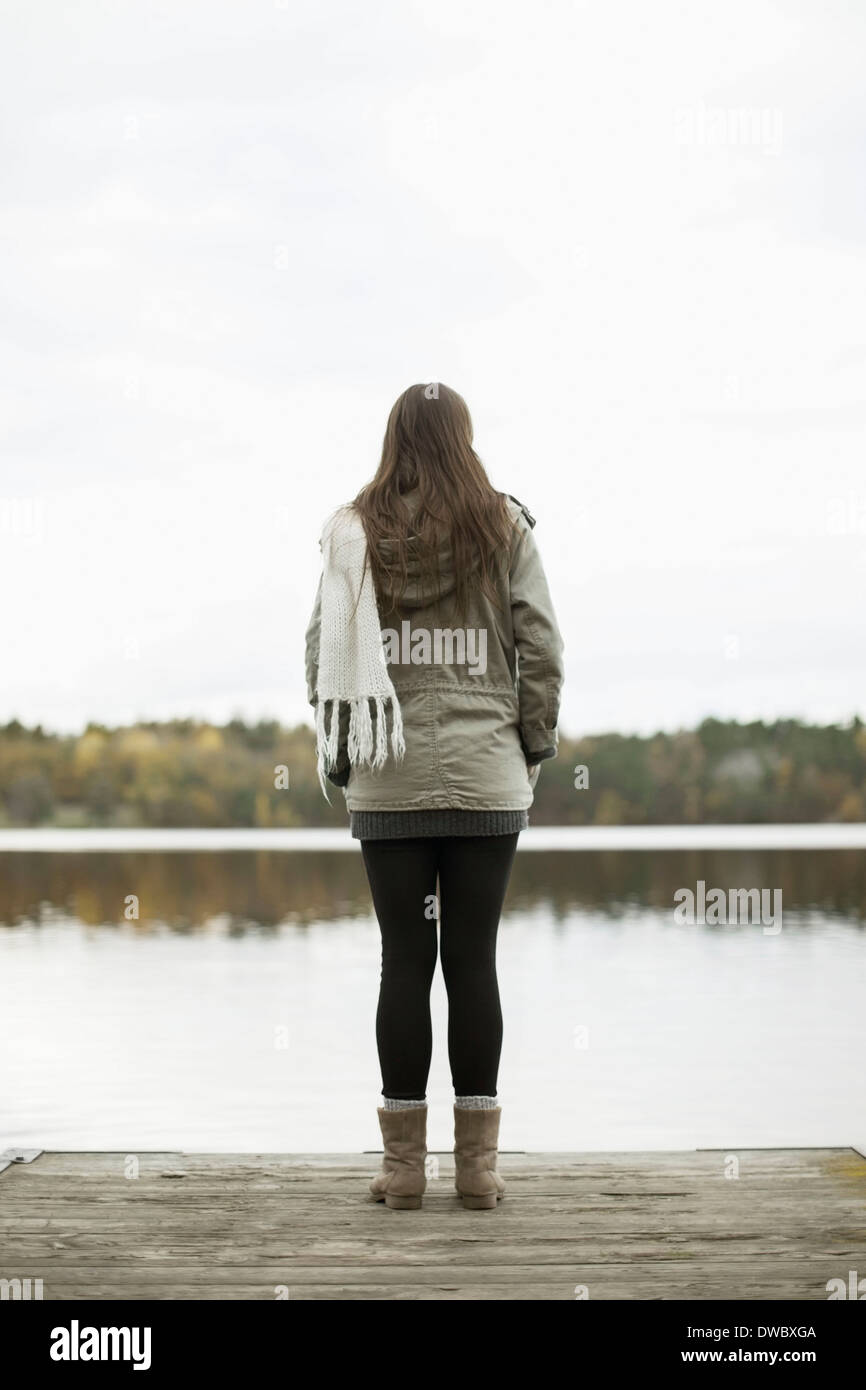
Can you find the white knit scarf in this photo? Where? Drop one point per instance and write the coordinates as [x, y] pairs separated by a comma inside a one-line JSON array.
[[352, 665]]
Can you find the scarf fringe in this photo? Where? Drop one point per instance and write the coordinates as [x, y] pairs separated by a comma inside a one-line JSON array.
[[398, 742], [321, 745], [363, 748], [360, 744]]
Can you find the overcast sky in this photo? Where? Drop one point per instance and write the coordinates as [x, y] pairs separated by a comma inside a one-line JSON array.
[[631, 235]]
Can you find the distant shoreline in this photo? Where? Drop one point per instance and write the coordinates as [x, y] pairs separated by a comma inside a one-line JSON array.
[[538, 838]]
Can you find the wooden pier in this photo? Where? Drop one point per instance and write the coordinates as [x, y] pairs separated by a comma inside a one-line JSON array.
[[736, 1224]]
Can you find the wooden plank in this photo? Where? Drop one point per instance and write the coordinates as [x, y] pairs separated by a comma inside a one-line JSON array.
[[371, 1256], [275, 1272], [559, 1215], [347, 1179], [761, 1279], [628, 1226], [14, 1181], [646, 1290], [347, 1206], [660, 1162]]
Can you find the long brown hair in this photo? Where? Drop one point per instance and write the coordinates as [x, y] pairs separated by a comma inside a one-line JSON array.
[[428, 445]]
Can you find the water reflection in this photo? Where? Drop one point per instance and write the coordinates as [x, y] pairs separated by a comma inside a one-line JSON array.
[[261, 890]]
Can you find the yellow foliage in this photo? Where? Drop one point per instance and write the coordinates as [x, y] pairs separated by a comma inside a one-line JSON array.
[[204, 807], [852, 808], [611, 808], [209, 740], [137, 742], [89, 749]]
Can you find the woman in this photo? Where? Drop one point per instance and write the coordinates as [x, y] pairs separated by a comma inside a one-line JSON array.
[[434, 662]]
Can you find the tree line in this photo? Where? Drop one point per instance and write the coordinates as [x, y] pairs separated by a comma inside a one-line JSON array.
[[185, 773]]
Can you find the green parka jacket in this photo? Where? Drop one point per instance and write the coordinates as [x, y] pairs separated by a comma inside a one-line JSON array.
[[479, 694]]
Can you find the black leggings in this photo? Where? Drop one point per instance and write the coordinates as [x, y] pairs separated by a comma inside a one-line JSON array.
[[473, 874]]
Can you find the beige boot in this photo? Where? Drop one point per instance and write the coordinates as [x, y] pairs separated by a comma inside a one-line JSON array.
[[476, 1138], [402, 1181]]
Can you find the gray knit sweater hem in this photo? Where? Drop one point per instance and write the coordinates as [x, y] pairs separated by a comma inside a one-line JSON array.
[[407, 825]]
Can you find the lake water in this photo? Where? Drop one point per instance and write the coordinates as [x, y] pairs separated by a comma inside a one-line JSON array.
[[236, 1013]]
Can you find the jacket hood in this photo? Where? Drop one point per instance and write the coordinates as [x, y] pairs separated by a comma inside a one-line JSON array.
[[414, 595]]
